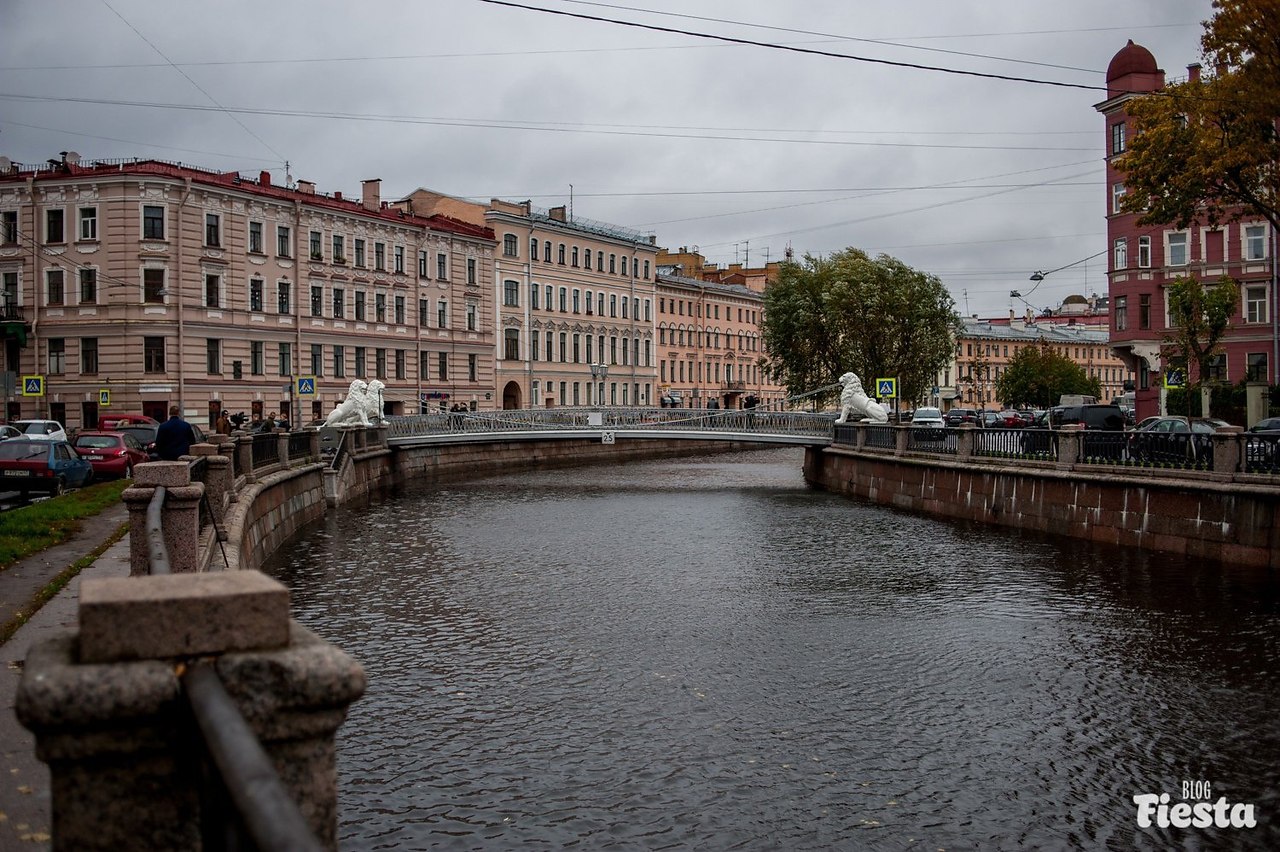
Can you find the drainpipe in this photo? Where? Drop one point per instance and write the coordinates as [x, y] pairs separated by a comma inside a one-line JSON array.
[[182, 406], [1275, 309], [34, 243], [528, 319]]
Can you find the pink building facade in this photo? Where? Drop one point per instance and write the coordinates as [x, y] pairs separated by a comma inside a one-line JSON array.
[[1144, 260]]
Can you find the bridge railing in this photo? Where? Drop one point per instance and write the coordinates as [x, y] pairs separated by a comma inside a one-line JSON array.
[[614, 418]]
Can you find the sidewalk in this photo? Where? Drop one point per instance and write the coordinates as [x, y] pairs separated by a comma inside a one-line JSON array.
[[24, 781]]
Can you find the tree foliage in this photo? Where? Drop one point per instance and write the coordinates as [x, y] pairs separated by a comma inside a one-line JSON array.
[[1198, 318], [1207, 150], [1037, 377], [877, 317]]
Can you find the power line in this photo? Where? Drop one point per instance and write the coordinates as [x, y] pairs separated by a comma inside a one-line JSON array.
[[794, 49], [135, 142]]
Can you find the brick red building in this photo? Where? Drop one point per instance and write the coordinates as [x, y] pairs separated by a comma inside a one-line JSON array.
[[1146, 259]]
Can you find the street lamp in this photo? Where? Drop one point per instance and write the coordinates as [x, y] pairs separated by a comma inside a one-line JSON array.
[[600, 372]]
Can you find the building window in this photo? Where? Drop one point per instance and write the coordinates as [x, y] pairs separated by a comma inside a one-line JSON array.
[[1117, 193], [471, 316], [648, 310], [1256, 371], [401, 362], [442, 364], [1121, 259], [1144, 252], [152, 222], [212, 291], [646, 270], [153, 354], [255, 237], [511, 293], [282, 241], [257, 358], [1122, 313], [213, 356], [1217, 368], [358, 250], [472, 367], [1255, 304], [548, 291], [535, 339], [509, 245], [625, 302], [613, 263], [317, 359], [471, 270], [1177, 248], [316, 249], [380, 307], [564, 304], [339, 303], [55, 226], [153, 286], [256, 289], [599, 261], [533, 296], [398, 255], [422, 264], [424, 312], [1117, 138], [284, 297], [560, 254], [88, 286], [380, 256], [88, 355], [399, 310], [339, 362], [380, 363], [624, 264], [360, 312], [546, 251], [54, 287], [9, 227], [286, 359], [1144, 311], [442, 264], [317, 300], [575, 256], [57, 355], [533, 248], [1255, 242], [564, 347], [511, 344], [212, 229], [88, 223], [586, 258], [339, 249], [442, 314], [613, 304]]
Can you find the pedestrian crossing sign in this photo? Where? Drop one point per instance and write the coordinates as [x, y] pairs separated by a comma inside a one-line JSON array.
[[104, 397], [306, 385], [1175, 377], [33, 385], [887, 388]]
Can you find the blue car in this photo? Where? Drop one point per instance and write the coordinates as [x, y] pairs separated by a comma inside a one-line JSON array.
[[47, 467]]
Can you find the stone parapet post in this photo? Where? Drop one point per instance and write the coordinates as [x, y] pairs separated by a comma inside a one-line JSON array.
[[860, 436], [1228, 451], [180, 518], [218, 480], [127, 766], [1069, 436], [315, 444], [282, 446], [900, 435], [378, 436], [244, 455], [965, 441]]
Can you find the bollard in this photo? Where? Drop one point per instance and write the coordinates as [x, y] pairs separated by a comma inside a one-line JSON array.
[[1069, 436], [1228, 451], [180, 516], [965, 440]]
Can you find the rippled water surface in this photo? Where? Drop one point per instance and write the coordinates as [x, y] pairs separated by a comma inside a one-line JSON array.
[[706, 654]]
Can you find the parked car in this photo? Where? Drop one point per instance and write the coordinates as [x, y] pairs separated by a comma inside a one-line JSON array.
[[1261, 442], [146, 435], [956, 416], [1172, 439], [41, 430], [990, 419], [1106, 417], [7, 432], [109, 422], [928, 424], [43, 465], [110, 453]]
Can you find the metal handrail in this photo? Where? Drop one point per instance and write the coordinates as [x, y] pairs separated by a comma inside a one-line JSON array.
[[271, 816]]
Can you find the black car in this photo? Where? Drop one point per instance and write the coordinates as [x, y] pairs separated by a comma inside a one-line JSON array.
[[145, 433], [1260, 444], [956, 416]]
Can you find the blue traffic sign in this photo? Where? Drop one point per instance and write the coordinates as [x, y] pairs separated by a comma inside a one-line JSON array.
[[887, 388], [306, 386], [33, 385]]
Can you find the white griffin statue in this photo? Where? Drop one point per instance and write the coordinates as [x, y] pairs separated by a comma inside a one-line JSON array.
[[352, 411], [854, 401]]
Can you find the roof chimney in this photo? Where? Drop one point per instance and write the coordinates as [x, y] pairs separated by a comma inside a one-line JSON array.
[[371, 193], [337, 196], [1193, 72], [560, 214], [264, 178], [306, 186]]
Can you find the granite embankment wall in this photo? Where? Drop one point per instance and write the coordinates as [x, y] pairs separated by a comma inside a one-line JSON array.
[[1234, 523]]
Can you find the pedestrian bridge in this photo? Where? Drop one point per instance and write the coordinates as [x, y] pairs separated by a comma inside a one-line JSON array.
[[611, 425]]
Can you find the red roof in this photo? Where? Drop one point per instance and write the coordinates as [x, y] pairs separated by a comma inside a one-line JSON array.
[[1132, 59]]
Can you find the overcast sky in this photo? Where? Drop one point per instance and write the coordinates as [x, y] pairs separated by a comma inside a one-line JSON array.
[[739, 149]]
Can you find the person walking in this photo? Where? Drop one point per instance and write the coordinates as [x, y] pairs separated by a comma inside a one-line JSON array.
[[173, 437], [223, 424]]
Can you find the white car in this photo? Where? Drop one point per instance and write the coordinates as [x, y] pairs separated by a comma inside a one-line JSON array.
[[41, 430], [928, 417]]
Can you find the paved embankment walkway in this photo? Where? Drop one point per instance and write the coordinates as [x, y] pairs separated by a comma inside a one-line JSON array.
[[24, 781]]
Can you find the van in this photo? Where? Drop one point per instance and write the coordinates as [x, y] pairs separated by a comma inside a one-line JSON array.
[[111, 422], [1077, 399], [1109, 418]]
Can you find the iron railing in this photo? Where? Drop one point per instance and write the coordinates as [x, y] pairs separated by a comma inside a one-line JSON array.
[[266, 449], [614, 418], [299, 446]]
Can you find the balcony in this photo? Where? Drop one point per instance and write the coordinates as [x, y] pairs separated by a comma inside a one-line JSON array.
[[734, 385], [13, 323]]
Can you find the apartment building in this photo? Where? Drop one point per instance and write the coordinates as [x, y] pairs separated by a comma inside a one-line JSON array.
[[134, 285], [574, 319], [709, 345], [1146, 259]]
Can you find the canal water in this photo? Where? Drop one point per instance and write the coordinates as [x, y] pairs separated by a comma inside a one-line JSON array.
[[707, 654]]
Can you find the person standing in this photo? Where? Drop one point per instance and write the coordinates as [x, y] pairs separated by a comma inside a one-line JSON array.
[[173, 437], [223, 425]]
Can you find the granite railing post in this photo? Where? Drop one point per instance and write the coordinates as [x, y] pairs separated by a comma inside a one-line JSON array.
[[180, 519], [282, 446], [378, 436], [315, 445], [900, 435], [860, 436], [218, 481], [965, 441], [1069, 438], [1228, 451], [107, 707], [226, 445], [244, 455]]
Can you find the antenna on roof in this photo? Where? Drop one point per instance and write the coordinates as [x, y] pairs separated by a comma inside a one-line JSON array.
[[288, 178], [570, 202]]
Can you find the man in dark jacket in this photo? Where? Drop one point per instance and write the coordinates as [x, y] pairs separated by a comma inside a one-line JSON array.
[[173, 437]]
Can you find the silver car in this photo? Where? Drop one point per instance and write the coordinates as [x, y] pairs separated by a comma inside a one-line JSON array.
[[41, 430]]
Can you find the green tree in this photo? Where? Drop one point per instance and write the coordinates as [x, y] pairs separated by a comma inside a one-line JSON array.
[[1207, 149], [1198, 317], [877, 317], [1037, 376]]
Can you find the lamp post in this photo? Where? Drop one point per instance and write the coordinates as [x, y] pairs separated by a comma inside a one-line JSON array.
[[600, 372]]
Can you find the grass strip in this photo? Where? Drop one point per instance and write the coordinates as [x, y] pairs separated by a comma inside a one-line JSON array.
[[56, 585], [39, 526]]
